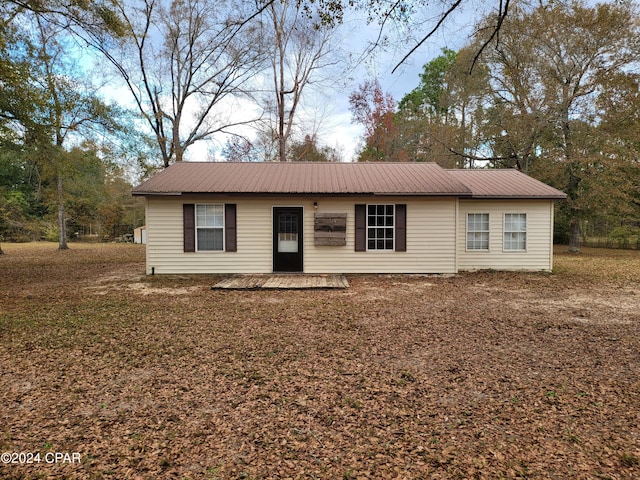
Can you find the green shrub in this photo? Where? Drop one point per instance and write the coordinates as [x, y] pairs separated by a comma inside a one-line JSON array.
[[624, 232], [51, 232]]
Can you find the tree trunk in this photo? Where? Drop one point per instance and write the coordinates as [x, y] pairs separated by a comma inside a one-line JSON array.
[[1, 252], [179, 153], [177, 147], [62, 224], [574, 212], [574, 179], [282, 141], [574, 235]]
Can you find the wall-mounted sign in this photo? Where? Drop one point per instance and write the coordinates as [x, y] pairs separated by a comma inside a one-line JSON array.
[[330, 229]]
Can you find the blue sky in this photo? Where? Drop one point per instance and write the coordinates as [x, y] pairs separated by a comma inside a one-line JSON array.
[[330, 109], [454, 33]]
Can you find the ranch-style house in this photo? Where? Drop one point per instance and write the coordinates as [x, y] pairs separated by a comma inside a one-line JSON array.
[[215, 217]]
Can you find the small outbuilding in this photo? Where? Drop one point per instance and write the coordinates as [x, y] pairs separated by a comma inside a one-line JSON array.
[[140, 234], [345, 218]]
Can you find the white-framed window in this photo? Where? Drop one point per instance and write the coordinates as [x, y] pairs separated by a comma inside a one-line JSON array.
[[380, 227], [210, 227], [515, 231], [478, 231]]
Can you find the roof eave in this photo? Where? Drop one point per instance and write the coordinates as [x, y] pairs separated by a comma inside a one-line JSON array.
[[156, 194], [323, 194], [419, 194], [519, 197]]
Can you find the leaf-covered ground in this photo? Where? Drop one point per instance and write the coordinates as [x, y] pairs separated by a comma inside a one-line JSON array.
[[479, 375]]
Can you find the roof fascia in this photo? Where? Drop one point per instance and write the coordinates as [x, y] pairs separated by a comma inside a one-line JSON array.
[[518, 197], [299, 194], [156, 194]]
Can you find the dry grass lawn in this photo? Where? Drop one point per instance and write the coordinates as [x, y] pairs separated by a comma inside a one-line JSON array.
[[480, 375]]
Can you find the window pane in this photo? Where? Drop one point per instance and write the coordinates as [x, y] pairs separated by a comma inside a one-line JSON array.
[[288, 242], [380, 227], [209, 238], [478, 231], [515, 228], [209, 215], [477, 241], [201, 211], [288, 223], [483, 242], [515, 222]]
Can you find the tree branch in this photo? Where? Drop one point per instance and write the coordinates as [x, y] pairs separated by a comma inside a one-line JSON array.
[[453, 7], [502, 14]]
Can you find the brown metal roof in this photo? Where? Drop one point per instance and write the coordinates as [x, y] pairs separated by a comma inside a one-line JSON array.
[[342, 179], [303, 178], [505, 184]]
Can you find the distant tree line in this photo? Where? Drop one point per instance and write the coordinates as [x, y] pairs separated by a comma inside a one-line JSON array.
[[97, 95]]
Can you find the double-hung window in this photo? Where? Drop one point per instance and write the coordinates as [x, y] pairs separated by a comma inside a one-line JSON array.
[[477, 231], [210, 227], [515, 231], [380, 227]]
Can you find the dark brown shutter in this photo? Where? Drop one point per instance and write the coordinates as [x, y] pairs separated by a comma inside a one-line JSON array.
[[361, 228], [401, 227], [189, 224], [230, 241]]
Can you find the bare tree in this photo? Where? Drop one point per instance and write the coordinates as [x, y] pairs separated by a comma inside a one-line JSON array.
[[301, 54], [422, 19], [181, 60]]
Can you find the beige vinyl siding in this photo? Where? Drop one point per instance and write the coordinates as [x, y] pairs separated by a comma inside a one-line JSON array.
[[539, 245], [430, 237], [165, 238]]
